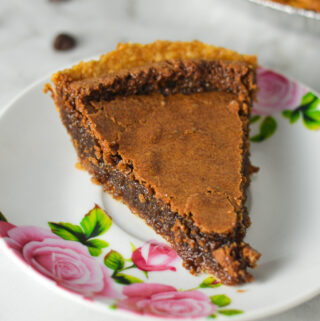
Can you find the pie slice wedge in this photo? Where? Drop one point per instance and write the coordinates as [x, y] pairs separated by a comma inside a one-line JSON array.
[[164, 128]]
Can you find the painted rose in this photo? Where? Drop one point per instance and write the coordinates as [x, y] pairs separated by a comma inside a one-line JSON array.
[[165, 301], [68, 263], [154, 256], [276, 93], [4, 228]]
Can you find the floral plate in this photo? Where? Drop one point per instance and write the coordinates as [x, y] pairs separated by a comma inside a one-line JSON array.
[[77, 239]]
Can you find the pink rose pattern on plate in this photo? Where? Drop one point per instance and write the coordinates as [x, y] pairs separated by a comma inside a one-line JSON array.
[[154, 256], [68, 263], [165, 301], [69, 255], [276, 93], [279, 94]]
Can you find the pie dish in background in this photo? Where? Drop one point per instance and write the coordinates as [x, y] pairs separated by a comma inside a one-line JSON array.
[[313, 5], [297, 19]]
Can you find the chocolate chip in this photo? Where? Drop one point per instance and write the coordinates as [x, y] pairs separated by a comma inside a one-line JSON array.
[[64, 41]]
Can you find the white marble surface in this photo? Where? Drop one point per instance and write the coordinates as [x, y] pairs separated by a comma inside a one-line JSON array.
[[26, 32]]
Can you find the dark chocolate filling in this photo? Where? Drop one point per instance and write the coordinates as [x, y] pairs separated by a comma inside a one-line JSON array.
[[193, 246]]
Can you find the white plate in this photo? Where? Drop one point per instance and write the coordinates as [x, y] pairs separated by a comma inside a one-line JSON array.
[[40, 184]]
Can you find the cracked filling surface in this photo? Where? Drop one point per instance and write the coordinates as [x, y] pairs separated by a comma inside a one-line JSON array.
[[194, 165]]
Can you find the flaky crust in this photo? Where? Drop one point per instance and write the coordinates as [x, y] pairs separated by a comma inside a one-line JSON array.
[[131, 55]]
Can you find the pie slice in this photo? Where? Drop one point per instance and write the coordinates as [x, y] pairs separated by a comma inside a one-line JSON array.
[[164, 128]]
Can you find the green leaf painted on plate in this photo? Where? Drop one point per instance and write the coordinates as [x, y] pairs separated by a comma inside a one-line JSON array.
[[126, 279], [310, 116], [133, 247], [267, 129], [310, 101], [94, 251], [76, 229], [230, 312], [96, 222], [254, 119], [99, 244], [67, 231], [145, 274], [95, 246], [287, 113], [307, 98], [212, 316], [310, 119], [257, 138], [114, 260], [221, 300], [112, 307], [313, 114], [295, 115], [210, 282], [314, 104], [3, 218]]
